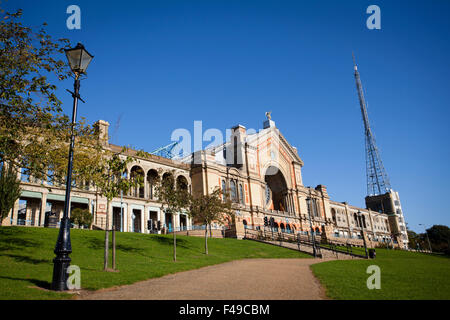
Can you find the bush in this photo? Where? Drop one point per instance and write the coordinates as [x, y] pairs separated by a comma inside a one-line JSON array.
[[81, 217]]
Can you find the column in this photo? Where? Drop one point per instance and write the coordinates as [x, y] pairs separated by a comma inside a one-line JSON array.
[[292, 202], [146, 218], [177, 220], [146, 193], [37, 211], [43, 207], [126, 216], [142, 220], [162, 216], [110, 216]]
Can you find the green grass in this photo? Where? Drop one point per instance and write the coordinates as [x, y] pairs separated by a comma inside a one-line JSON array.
[[355, 250], [404, 275], [26, 256]]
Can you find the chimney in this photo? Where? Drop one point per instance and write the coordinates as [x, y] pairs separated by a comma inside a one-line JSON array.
[[322, 189], [101, 128], [236, 156]]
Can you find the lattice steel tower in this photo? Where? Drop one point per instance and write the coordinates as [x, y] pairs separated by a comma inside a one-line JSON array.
[[377, 178]]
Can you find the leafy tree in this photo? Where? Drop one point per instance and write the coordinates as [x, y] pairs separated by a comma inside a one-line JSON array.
[[415, 240], [211, 208], [81, 217], [172, 199], [34, 132], [9, 190], [440, 238], [110, 180]]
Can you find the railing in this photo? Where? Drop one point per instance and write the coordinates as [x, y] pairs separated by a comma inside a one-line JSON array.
[[338, 248], [195, 227], [299, 239], [276, 212], [302, 240]]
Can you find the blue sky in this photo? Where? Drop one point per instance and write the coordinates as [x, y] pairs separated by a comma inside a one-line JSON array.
[[160, 65]]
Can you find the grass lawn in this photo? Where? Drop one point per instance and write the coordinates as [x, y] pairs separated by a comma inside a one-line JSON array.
[[355, 250], [404, 275], [26, 255]]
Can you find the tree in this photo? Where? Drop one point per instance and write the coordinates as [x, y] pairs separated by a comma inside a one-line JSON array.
[[9, 190], [415, 240], [439, 236], [211, 208], [81, 217], [34, 132], [109, 178], [172, 199]]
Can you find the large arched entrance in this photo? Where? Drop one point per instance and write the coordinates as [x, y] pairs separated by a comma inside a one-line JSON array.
[[276, 189]]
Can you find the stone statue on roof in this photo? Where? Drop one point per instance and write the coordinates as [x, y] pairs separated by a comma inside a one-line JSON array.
[[268, 115]]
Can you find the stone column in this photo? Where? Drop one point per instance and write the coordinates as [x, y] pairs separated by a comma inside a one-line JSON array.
[[110, 215], [142, 220], [145, 187], [146, 217], [15, 212], [162, 217], [43, 207], [37, 214], [177, 220], [292, 202], [126, 216]]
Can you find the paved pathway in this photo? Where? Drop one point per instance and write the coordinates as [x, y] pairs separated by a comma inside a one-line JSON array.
[[250, 279]]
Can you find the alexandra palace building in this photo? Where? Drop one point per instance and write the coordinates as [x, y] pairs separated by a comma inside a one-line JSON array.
[[261, 172]]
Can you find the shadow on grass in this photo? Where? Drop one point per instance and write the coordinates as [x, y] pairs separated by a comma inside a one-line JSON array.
[[99, 244], [169, 241], [25, 259], [38, 283], [9, 243]]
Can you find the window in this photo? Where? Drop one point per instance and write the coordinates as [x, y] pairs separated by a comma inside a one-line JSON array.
[[224, 190], [267, 194], [316, 208], [233, 191], [241, 194]]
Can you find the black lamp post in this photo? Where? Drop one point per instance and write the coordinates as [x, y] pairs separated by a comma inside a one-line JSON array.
[[362, 231], [79, 60], [313, 238]]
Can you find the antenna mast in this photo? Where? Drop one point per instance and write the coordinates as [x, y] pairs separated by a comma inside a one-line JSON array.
[[377, 178]]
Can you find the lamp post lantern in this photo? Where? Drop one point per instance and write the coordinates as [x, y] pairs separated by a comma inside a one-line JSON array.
[[79, 60]]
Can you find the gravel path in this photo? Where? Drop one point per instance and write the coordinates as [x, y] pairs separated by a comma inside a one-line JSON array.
[[250, 279]]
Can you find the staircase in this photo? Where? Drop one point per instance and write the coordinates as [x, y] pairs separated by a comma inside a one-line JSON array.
[[300, 243]]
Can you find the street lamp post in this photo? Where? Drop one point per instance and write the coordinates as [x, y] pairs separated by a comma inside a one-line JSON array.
[[308, 202], [362, 231], [79, 60], [428, 239]]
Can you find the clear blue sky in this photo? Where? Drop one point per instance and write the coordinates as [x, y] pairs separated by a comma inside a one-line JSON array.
[[160, 65]]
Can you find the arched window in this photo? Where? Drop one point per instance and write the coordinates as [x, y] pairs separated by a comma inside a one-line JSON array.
[[137, 176], [241, 194], [152, 179], [182, 183], [224, 190], [356, 219], [333, 214], [233, 191]]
